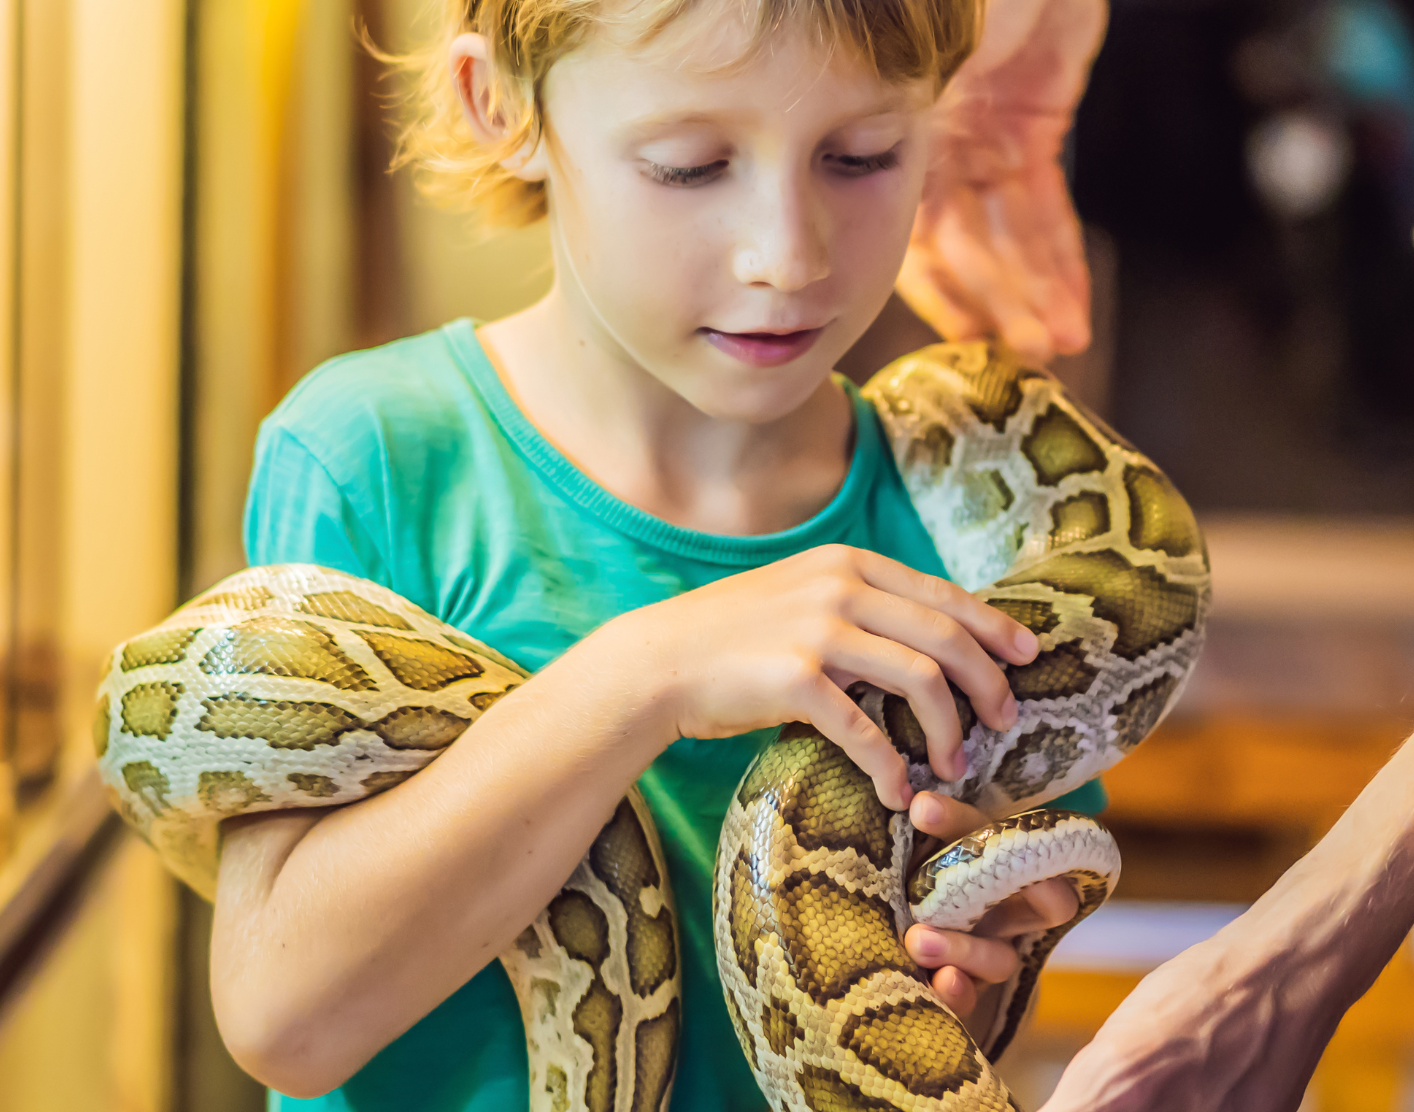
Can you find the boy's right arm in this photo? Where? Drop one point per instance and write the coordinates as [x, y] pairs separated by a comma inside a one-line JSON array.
[[336, 931]]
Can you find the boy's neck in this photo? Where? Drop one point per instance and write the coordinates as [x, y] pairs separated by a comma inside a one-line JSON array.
[[647, 445]]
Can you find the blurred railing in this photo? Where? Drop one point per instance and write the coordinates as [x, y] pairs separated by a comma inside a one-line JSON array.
[[42, 895]]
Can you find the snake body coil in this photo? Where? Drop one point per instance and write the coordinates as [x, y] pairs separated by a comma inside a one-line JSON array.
[[296, 686]]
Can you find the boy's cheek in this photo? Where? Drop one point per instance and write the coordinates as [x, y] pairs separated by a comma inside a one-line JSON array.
[[658, 263]]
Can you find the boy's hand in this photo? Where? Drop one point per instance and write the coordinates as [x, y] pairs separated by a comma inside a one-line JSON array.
[[996, 246], [969, 965], [781, 643]]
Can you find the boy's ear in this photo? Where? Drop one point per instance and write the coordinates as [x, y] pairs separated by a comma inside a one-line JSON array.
[[472, 70]]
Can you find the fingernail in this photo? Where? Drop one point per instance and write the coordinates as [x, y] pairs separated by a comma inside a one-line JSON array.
[[1026, 642], [930, 946], [959, 765], [930, 811], [1009, 711]]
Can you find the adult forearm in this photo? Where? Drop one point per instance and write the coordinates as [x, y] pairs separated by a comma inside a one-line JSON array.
[[1338, 915], [1240, 1021], [336, 935]]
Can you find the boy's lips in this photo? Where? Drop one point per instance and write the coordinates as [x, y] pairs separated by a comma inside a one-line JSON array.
[[763, 349]]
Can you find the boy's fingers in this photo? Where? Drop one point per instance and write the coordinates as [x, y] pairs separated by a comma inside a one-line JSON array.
[[1036, 908], [836, 715], [996, 632], [912, 675], [983, 959], [1053, 901], [957, 990], [940, 817], [949, 643]]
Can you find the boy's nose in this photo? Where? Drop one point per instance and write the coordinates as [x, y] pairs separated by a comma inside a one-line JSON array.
[[782, 240]]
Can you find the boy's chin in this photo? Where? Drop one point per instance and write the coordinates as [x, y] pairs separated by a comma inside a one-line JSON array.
[[754, 397]]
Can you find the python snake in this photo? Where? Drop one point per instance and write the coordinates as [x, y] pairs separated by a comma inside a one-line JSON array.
[[296, 686]]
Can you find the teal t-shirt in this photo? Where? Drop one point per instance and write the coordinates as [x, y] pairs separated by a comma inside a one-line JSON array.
[[410, 465]]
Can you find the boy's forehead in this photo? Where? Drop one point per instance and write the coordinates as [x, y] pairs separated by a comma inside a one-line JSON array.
[[718, 37], [702, 70], [709, 36], [640, 23]]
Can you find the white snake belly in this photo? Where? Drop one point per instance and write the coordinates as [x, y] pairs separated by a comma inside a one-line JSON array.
[[296, 686]]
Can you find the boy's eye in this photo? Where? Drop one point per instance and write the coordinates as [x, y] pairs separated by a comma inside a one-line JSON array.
[[858, 166], [685, 175]]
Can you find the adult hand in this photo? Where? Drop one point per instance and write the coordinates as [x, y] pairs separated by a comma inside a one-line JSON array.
[[971, 964], [1206, 1032], [996, 247], [1239, 1022]]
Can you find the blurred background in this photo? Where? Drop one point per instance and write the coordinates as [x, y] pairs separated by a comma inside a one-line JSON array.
[[194, 212]]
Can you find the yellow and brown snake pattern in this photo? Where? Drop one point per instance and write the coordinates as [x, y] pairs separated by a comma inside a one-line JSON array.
[[296, 686]]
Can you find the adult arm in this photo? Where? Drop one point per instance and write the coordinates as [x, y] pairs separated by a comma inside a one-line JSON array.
[[996, 248], [1238, 1023]]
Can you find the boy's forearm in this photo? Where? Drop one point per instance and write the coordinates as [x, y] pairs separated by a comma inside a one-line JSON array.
[[335, 934]]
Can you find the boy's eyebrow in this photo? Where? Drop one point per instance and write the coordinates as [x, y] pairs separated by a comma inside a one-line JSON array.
[[669, 119], [655, 121]]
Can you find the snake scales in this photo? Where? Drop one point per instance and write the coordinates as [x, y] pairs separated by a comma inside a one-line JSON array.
[[295, 686]]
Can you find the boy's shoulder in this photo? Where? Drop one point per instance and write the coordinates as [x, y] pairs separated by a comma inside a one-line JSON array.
[[401, 391], [404, 375]]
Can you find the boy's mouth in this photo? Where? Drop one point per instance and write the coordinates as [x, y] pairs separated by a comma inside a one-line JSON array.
[[763, 349]]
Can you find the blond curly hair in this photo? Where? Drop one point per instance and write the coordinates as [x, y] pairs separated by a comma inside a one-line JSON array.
[[899, 40]]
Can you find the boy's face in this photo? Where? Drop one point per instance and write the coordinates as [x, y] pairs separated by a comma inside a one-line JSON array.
[[694, 215]]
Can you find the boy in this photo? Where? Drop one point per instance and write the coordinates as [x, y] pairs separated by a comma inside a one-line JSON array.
[[649, 487]]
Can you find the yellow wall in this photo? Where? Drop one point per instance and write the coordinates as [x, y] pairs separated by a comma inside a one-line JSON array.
[[8, 127], [277, 232]]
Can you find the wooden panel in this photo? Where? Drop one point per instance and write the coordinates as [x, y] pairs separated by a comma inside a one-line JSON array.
[[35, 655], [275, 239], [1252, 770], [53, 1042], [97, 255], [144, 984], [9, 118], [121, 411], [237, 180]]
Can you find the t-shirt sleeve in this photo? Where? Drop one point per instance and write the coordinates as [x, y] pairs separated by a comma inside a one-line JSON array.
[[1088, 799], [297, 514]]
